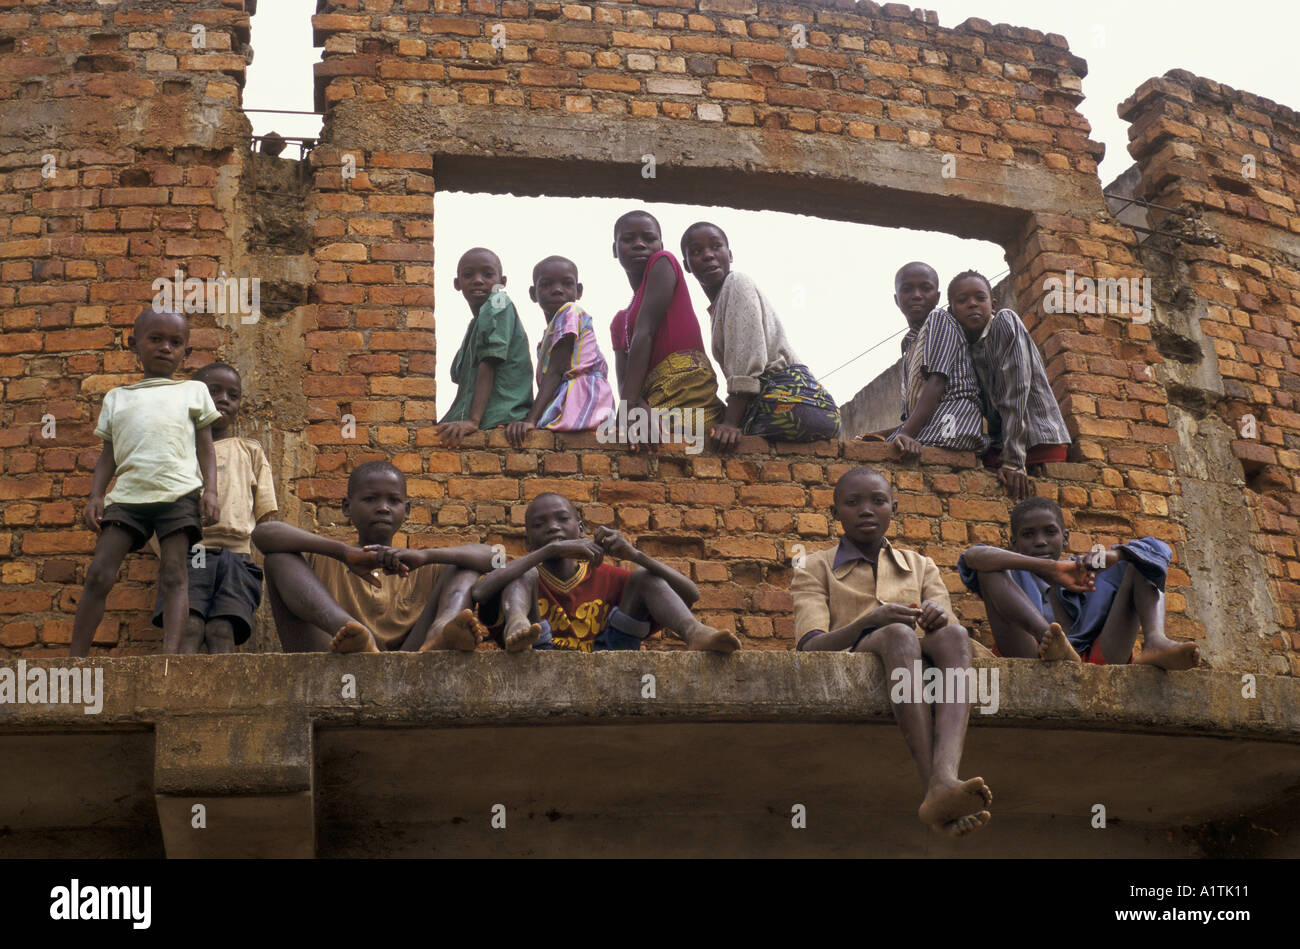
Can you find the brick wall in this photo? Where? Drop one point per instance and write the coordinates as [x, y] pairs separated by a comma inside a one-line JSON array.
[[1228, 163], [857, 124]]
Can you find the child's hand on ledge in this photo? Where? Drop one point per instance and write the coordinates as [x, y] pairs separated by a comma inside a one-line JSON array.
[[1017, 482], [908, 447], [725, 437], [516, 431], [451, 433]]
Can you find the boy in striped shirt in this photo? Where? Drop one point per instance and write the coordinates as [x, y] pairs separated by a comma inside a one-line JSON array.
[[1025, 424]]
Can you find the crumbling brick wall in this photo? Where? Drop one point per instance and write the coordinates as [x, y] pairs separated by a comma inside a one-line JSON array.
[[859, 119]]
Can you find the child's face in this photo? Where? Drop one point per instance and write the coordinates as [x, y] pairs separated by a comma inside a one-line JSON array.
[[551, 518], [971, 305], [708, 257], [226, 392], [476, 274], [556, 284], [162, 345], [638, 238], [1039, 534], [864, 506], [916, 292], [377, 507]]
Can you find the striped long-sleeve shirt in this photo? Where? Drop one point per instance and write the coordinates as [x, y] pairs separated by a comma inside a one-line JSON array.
[[1022, 409], [939, 346]]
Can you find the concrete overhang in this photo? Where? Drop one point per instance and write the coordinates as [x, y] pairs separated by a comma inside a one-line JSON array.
[[415, 755]]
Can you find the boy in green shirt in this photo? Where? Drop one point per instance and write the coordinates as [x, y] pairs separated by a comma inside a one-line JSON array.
[[492, 370]]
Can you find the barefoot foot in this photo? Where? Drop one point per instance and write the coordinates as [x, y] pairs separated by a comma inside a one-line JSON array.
[[712, 640], [1055, 645], [353, 637], [964, 825], [462, 632], [949, 801], [1173, 658], [522, 635]]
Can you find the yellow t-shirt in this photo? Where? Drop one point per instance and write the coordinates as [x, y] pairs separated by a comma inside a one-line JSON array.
[[244, 491], [389, 611], [152, 425]]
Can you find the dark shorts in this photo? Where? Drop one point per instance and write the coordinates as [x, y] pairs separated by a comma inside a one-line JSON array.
[[228, 586], [142, 521]]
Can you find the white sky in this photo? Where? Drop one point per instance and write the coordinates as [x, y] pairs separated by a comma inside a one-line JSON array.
[[841, 272]]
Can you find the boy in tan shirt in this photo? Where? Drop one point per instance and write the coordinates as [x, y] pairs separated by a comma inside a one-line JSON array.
[[868, 596], [225, 586], [370, 596]]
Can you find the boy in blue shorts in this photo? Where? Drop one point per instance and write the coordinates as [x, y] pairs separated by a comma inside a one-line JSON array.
[[1040, 605], [225, 586], [157, 441], [561, 595]]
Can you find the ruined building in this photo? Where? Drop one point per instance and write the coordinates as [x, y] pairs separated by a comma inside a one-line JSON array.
[[124, 156]]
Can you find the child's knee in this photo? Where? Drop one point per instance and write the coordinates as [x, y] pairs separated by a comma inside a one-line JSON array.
[[99, 577], [899, 638], [953, 640], [172, 576]]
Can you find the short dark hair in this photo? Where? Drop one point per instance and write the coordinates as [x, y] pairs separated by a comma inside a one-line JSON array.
[[966, 275], [550, 494], [1029, 505], [898, 277], [485, 250], [203, 372], [859, 471], [149, 311], [618, 225], [370, 467], [553, 259], [696, 226]]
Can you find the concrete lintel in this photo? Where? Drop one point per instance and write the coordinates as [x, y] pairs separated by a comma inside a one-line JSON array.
[[869, 181]]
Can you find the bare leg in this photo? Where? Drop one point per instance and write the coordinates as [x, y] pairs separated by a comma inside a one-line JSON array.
[[220, 636], [113, 545], [520, 629], [1017, 625], [302, 607], [174, 585], [949, 801], [898, 647], [192, 638], [1139, 604], [444, 623], [650, 596]]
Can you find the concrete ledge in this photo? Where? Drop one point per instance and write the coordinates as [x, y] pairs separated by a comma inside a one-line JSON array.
[[582, 760]]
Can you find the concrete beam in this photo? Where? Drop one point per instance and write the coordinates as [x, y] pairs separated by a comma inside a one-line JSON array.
[[868, 181], [409, 754]]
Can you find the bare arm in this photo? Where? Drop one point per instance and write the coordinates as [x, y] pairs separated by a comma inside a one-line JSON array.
[[561, 356], [931, 395], [1073, 574], [483, 382], [476, 557], [277, 537], [491, 583], [105, 468], [207, 453], [660, 285], [616, 545]]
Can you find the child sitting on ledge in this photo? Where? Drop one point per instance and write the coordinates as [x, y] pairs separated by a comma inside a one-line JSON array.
[[583, 603], [1040, 605], [865, 595]]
